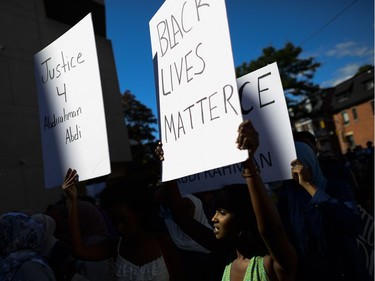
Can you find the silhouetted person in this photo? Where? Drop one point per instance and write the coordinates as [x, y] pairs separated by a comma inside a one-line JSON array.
[[322, 221]]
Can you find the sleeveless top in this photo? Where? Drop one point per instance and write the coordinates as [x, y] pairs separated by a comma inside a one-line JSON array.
[[125, 270], [255, 271]]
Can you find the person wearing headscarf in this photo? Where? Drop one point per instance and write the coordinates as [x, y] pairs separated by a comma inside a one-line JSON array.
[[179, 237], [49, 239], [322, 221], [21, 244], [199, 262]]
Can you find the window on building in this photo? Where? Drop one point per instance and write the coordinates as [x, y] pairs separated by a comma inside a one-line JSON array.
[[350, 140], [345, 117], [355, 113], [369, 85]]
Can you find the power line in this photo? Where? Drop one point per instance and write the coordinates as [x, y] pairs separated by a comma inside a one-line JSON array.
[[329, 22]]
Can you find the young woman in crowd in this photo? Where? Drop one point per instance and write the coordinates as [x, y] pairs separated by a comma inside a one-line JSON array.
[[245, 221], [139, 253]]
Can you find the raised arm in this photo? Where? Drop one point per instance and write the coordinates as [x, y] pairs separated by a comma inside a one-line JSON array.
[[93, 252], [338, 206], [183, 213], [282, 260]]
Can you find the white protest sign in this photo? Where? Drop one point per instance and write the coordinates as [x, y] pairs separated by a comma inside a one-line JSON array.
[[262, 102], [199, 108], [72, 119]]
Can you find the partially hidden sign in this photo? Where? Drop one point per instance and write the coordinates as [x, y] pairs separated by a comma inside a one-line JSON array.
[[199, 108], [72, 118], [262, 102]]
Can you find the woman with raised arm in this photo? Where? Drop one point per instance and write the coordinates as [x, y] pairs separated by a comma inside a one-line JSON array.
[[246, 219], [139, 252], [322, 220], [237, 221]]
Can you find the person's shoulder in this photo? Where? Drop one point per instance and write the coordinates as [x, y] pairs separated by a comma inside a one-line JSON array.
[[269, 266]]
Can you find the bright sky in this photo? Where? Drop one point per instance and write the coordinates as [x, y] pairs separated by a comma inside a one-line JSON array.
[[338, 33]]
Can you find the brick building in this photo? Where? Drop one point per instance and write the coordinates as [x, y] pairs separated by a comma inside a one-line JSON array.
[[353, 110]]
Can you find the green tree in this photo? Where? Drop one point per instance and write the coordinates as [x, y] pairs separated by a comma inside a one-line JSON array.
[[141, 123], [296, 74], [139, 119], [364, 68]]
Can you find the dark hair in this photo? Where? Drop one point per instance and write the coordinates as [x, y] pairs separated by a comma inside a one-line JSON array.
[[235, 198]]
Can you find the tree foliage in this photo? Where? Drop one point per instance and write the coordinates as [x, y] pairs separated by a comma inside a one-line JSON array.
[[139, 119], [364, 68], [296, 73], [141, 122]]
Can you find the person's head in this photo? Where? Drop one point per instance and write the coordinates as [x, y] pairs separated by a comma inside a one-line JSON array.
[[49, 229], [92, 222], [234, 220], [307, 156], [308, 138], [129, 206], [19, 231], [234, 213]]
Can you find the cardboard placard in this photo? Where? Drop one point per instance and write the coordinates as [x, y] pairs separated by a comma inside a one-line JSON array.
[[199, 108], [72, 118]]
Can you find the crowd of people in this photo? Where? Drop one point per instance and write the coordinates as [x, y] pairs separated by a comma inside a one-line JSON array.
[[134, 231], [360, 161]]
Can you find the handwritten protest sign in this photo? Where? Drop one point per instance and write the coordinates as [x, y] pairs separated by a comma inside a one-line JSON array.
[[199, 109], [262, 102], [71, 110]]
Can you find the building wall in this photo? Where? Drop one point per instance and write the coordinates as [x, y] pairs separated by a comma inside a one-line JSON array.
[[24, 31], [362, 128]]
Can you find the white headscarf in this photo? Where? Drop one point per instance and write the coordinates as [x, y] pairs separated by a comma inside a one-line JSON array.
[[49, 230], [180, 238]]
